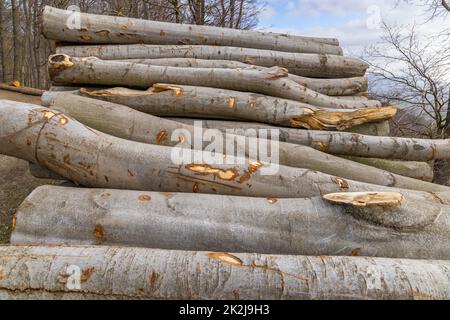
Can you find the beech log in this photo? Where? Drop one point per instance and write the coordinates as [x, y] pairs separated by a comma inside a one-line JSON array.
[[302, 64], [365, 224], [202, 102], [108, 29], [347, 143], [53, 272]]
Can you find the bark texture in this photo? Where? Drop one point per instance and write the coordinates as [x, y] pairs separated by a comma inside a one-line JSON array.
[[91, 158], [203, 102], [64, 69], [370, 224], [126, 123], [307, 65], [107, 29], [138, 273]]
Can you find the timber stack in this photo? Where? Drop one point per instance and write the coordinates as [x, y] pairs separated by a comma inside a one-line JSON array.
[[349, 212]]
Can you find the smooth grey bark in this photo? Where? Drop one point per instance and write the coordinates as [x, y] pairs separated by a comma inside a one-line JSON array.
[[302, 64], [347, 143], [107, 29], [333, 87], [94, 159], [139, 273], [204, 102], [64, 69], [71, 216], [126, 123], [417, 170]]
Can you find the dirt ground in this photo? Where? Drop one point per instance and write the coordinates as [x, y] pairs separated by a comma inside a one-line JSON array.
[[16, 183]]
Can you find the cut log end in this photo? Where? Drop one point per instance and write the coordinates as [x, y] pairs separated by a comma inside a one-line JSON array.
[[364, 199], [60, 61], [322, 120]]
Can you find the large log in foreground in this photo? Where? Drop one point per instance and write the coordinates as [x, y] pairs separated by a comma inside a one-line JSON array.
[[203, 102], [126, 123], [346, 143], [307, 65], [64, 69], [91, 158], [108, 29], [39, 272], [372, 224]]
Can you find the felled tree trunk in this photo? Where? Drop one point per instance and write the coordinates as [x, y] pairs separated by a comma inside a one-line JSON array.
[[24, 90], [204, 102], [346, 87], [307, 65], [417, 170], [94, 159], [74, 216], [64, 69], [126, 123], [347, 143], [57, 272], [107, 29]]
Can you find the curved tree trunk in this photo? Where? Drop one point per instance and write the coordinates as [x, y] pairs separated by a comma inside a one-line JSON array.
[[107, 29], [307, 65], [71, 216], [93, 159], [57, 271], [347, 143], [273, 82], [346, 87], [129, 124], [204, 102]]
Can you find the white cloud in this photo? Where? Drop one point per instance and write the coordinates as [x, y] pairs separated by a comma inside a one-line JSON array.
[[356, 33]]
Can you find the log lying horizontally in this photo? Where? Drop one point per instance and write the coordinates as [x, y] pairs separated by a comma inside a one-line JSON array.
[[91, 158], [203, 102], [273, 82], [307, 65], [24, 90], [107, 29], [391, 226], [333, 87], [104, 273], [417, 170], [346, 143], [126, 123]]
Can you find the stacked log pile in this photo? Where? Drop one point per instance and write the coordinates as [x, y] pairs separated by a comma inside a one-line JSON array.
[[127, 94]]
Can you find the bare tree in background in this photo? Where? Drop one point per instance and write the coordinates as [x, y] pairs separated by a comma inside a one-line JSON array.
[[412, 71]]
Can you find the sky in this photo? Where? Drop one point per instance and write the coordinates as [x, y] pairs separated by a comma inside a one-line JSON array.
[[356, 23]]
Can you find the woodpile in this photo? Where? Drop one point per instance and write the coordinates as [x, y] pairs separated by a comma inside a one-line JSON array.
[[130, 94]]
